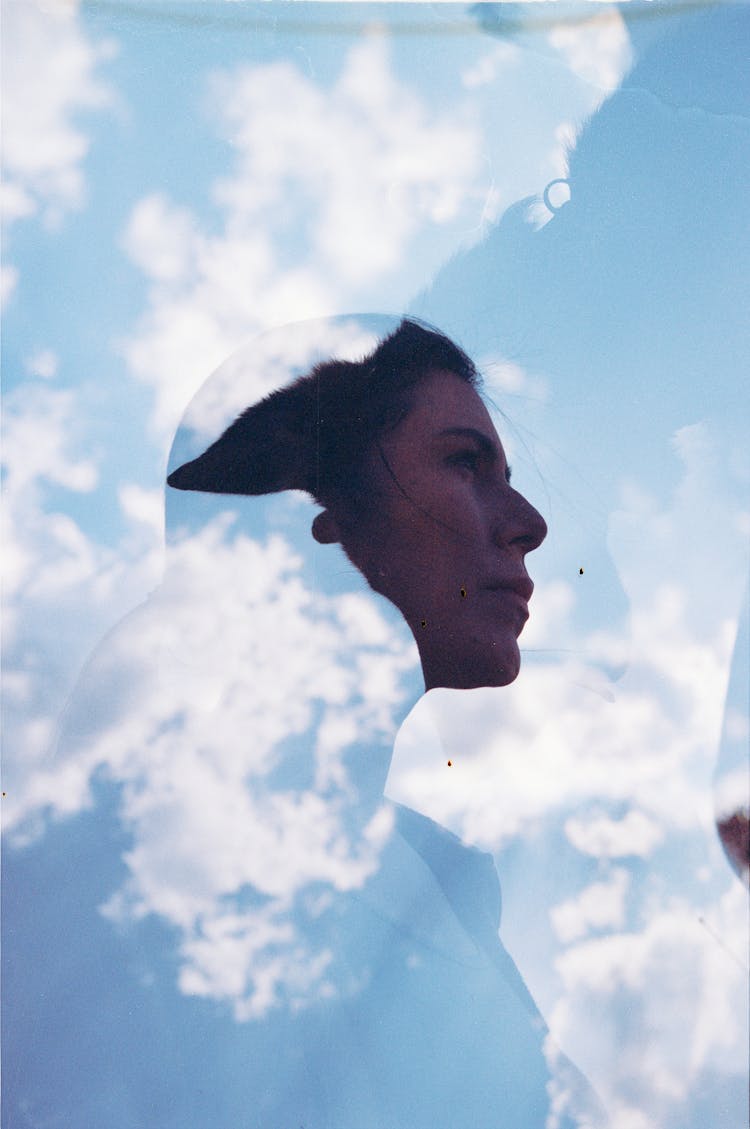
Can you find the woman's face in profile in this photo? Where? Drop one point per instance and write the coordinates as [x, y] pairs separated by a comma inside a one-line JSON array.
[[446, 536]]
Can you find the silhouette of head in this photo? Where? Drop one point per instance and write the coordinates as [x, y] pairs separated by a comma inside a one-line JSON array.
[[401, 452]]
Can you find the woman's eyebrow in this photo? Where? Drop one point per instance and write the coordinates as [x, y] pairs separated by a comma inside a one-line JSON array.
[[484, 441]]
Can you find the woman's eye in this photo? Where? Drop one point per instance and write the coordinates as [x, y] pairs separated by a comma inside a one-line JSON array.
[[467, 459]]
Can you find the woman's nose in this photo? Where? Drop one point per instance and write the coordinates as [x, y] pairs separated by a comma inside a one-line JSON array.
[[518, 523]]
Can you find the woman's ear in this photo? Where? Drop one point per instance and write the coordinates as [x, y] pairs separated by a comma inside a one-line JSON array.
[[325, 529]]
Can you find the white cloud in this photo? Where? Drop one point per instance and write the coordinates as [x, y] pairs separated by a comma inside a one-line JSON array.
[[49, 76], [60, 586], [550, 743], [43, 363], [38, 441], [251, 959], [340, 196], [598, 906], [699, 583], [603, 837], [647, 1013], [257, 958], [8, 283], [15, 203], [356, 171], [597, 49], [190, 705], [506, 377], [485, 70], [163, 240], [143, 506], [369, 121]]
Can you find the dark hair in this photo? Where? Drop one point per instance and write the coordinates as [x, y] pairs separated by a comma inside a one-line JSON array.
[[312, 435]]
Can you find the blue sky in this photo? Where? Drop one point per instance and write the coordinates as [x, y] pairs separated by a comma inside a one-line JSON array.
[[180, 178]]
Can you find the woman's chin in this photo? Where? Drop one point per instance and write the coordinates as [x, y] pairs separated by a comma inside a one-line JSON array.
[[497, 665], [504, 672]]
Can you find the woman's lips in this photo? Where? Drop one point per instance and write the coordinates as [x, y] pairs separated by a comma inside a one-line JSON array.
[[512, 599], [522, 586]]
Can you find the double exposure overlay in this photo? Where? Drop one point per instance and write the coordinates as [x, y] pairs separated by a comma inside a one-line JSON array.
[[313, 814]]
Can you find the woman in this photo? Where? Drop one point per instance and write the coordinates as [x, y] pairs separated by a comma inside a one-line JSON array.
[[430, 1022], [403, 456]]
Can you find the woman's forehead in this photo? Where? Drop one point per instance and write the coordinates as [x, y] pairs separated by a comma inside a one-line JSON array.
[[443, 401]]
